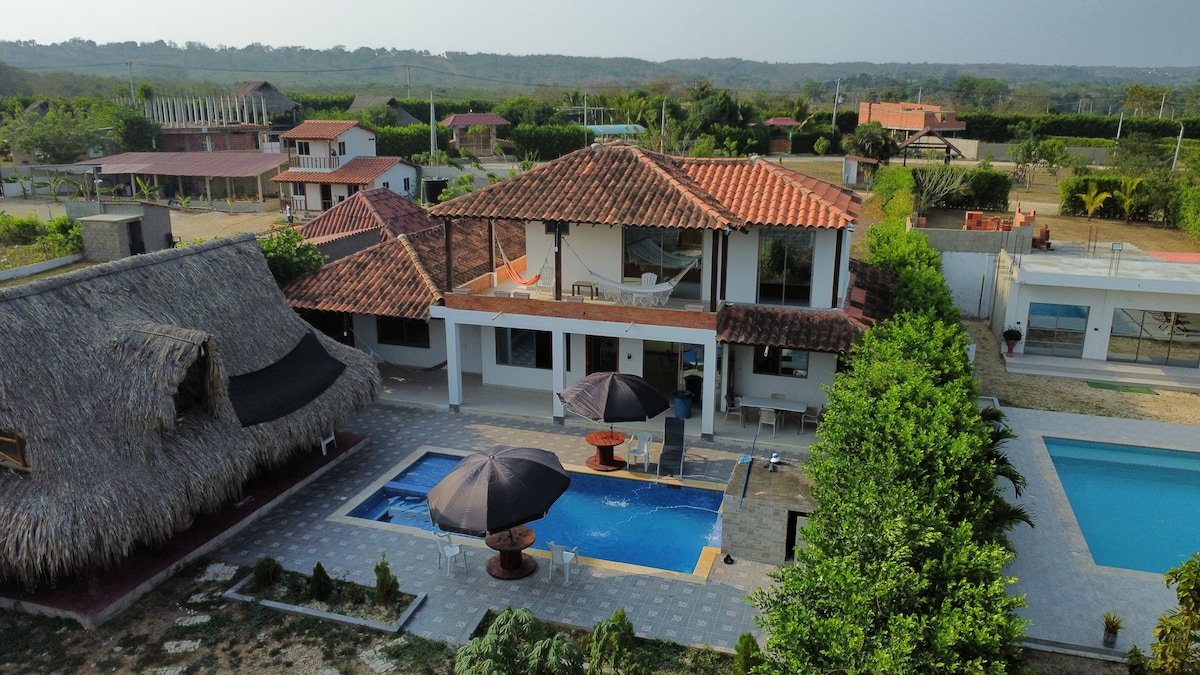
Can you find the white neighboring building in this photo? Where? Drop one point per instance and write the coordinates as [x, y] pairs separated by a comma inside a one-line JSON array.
[[1120, 316], [330, 160]]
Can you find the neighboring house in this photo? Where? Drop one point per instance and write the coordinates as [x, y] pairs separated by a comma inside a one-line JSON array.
[[378, 299], [187, 375], [1119, 315], [915, 126], [332, 159], [478, 143], [364, 219], [733, 271], [206, 176], [364, 103]]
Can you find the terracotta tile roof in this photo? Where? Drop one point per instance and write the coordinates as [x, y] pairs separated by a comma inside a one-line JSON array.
[[403, 276], [618, 184], [358, 171], [781, 122], [322, 130], [818, 330], [375, 209], [761, 192], [468, 119]]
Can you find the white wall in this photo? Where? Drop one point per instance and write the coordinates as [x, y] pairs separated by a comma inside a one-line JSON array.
[[598, 246], [366, 337], [968, 274], [395, 178], [742, 285], [821, 369], [359, 143]]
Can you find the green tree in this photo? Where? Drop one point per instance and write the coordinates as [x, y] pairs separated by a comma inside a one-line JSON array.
[[516, 644], [871, 140], [1139, 154], [1092, 199], [1143, 99], [1177, 647], [132, 131], [288, 256], [59, 137], [1127, 195], [612, 645]]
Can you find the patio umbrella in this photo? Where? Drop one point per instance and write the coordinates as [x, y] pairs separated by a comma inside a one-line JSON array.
[[497, 490], [614, 397]]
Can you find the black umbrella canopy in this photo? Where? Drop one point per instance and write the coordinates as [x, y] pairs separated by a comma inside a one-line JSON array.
[[496, 490], [614, 397]]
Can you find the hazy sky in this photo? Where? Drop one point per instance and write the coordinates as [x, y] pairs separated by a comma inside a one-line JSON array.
[[1067, 32]]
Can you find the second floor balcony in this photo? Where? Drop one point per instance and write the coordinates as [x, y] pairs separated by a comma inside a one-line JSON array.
[[314, 162]]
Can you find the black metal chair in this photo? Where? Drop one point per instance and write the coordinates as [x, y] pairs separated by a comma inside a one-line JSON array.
[[671, 456]]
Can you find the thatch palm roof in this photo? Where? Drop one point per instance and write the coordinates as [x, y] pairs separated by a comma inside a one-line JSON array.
[[275, 100], [117, 379]]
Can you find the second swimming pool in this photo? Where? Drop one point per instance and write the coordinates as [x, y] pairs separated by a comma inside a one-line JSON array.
[[624, 520], [1138, 507]]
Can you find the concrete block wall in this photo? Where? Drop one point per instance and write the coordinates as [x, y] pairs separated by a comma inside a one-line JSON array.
[[105, 241], [756, 530]]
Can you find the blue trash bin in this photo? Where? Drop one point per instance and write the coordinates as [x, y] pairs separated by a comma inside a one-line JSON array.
[[683, 404]]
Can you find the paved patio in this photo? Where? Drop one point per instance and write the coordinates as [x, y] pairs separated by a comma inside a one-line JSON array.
[[686, 609]]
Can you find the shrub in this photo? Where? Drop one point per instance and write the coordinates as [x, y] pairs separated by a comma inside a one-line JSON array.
[[267, 573], [20, 231], [550, 141], [892, 179], [409, 141], [320, 586], [747, 655], [1189, 211], [387, 586]]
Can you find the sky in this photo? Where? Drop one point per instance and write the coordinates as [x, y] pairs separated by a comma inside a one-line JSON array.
[[1143, 33]]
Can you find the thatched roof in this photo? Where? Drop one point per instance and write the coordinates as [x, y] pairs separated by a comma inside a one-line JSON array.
[[117, 378], [275, 100]]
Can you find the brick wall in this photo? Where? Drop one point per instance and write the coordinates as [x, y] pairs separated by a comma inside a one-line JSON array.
[[586, 310]]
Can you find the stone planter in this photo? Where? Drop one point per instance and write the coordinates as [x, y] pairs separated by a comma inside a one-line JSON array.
[[1011, 344], [354, 622]]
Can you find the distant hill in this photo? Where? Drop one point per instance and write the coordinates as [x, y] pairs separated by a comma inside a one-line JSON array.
[[194, 67]]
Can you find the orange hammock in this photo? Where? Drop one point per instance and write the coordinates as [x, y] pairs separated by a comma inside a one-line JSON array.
[[512, 271]]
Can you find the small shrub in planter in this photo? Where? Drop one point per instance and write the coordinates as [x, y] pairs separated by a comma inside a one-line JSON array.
[[320, 586], [267, 573], [748, 654], [387, 586], [1013, 334]]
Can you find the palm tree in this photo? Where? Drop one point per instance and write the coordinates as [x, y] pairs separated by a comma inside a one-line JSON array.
[[1092, 199], [1129, 186]]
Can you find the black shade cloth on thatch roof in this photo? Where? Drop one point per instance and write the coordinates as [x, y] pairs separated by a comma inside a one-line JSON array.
[[286, 385]]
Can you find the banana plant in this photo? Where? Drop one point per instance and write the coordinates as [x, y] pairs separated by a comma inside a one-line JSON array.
[[145, 190]]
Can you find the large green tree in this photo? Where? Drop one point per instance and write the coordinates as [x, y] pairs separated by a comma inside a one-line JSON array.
[[288, 256], [60, 136], [871, 140]]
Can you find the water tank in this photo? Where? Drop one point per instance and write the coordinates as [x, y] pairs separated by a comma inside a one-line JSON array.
[[431, 188]]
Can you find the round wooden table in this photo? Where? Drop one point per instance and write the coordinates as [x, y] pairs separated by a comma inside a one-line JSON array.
[[511, 562], [605, 441]]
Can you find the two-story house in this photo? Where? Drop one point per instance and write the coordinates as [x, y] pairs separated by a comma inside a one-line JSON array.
[[733, 271], [329, 160]]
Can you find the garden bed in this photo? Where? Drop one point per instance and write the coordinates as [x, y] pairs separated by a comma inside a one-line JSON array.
[[351, 604]]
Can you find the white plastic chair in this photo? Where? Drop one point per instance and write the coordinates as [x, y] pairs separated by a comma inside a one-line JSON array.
[[639, 446], [766, 417], [649, 278], [735, 408], [813, 415], [449, 550], [561, 557], [327, 441]]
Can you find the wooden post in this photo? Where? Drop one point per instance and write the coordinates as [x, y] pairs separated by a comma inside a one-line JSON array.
[[713, 271], [557, 260], [449, 247]]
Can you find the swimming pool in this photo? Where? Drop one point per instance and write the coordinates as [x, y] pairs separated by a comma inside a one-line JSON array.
[[1138, 507], [624, 520]]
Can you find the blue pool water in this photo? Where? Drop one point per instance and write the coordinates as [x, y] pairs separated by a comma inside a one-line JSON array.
[[629, 521], [1138, 507]]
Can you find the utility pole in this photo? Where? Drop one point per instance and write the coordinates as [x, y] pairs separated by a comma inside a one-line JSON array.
[[1178, 143], [1119, 123], [408, 82], [132, 96], [836, 95], [1162, 105]]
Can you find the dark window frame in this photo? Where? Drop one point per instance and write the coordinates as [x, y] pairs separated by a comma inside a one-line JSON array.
[[303, 148], [542, 348], [398, 331], [13, 451], [770, 361]]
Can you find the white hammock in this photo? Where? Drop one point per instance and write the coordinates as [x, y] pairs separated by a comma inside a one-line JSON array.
[[639, 295]]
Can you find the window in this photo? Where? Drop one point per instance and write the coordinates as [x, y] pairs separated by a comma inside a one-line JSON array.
[[524, 348], [297, 189], [407, 185], [1056, 330], [302, 147], [341, 148], [665, 252], [12, 450], [387, 185], [403, 332], [785, 266], [1155, 337], [780, 361]]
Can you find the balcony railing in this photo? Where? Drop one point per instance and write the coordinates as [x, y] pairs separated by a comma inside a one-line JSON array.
[[314, 162]]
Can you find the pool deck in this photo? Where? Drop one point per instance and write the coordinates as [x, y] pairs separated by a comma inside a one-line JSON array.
[[706, 609], [1067, 594]]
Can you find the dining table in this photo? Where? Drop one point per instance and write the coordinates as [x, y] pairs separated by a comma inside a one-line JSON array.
[[778, 404]]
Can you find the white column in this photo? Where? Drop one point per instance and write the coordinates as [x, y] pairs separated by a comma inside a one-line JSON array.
[[454, 371], [708, 409], [558, 377]]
